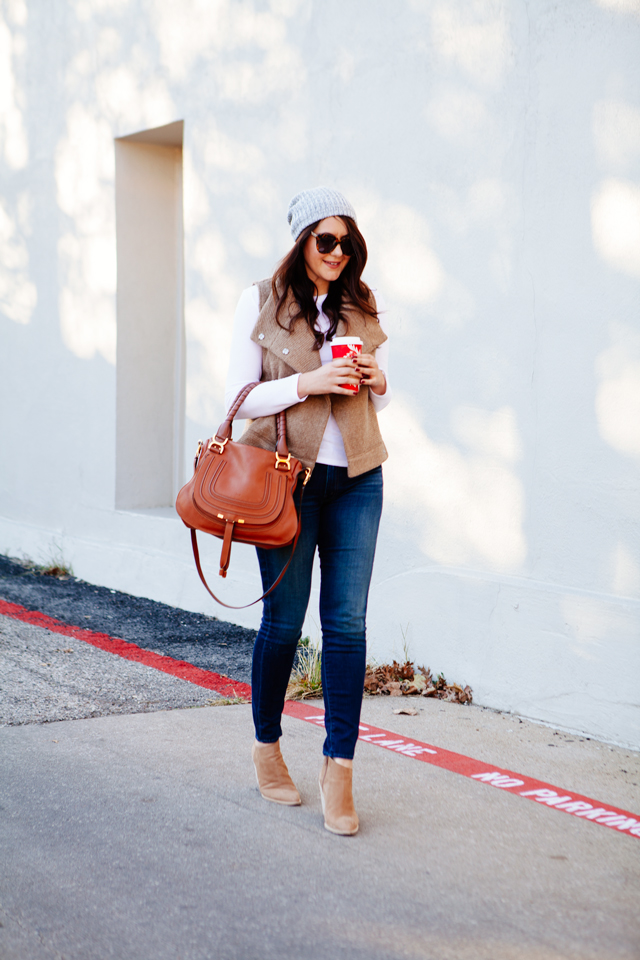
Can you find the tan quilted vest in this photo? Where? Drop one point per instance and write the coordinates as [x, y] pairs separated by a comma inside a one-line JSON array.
[[286, 353]]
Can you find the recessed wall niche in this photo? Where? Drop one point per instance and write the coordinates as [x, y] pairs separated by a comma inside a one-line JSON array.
[[150, 308]]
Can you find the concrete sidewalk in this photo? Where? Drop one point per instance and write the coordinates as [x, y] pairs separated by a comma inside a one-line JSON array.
[[143, 837]]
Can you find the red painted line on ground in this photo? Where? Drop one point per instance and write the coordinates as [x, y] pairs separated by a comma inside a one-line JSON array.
[[545, 793], [130, 651]]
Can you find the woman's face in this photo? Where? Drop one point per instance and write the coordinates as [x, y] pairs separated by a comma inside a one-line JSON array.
[[322, 268]]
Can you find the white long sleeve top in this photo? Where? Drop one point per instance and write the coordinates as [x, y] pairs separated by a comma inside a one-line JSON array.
[[272, 396]]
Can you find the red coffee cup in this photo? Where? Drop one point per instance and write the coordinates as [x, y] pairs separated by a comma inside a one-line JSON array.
[[347, 347]]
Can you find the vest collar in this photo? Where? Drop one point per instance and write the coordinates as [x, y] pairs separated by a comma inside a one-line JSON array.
[[296, 349]]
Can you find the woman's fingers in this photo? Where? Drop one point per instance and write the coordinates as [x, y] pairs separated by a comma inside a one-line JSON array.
[[372, 375], [368, 366], [367, 361], [329, 378], [347, 363], [346, 369], [341, 374]]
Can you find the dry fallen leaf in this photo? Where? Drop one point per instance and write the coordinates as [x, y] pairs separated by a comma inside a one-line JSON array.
[[403, 680], [408, 710]]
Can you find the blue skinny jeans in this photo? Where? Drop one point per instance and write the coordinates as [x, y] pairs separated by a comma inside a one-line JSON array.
[[340, 516]]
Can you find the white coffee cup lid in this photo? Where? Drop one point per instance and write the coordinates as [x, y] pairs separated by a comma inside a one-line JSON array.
[[340, 341]]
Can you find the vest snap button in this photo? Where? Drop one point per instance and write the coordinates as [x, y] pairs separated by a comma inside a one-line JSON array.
[[261, 336], [286, 350]]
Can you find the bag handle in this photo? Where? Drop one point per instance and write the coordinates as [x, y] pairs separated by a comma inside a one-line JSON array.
[[243, 606], [223, 432]]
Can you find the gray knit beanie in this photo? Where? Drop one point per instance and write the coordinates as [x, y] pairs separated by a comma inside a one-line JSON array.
[[313, 205]]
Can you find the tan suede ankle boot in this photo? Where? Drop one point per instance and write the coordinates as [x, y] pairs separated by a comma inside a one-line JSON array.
[[337, 799], [274, 781]]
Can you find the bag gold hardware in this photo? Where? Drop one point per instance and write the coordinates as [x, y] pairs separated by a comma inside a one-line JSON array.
[[285, 460], [219, 444]]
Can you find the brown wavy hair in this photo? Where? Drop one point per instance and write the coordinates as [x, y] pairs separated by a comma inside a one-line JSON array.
[[347, 290]]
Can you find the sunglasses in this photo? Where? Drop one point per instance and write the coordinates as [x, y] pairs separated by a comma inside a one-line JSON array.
[[326, 242]]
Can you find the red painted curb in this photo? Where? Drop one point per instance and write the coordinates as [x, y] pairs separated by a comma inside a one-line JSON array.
[[545, 793], [130, 651]]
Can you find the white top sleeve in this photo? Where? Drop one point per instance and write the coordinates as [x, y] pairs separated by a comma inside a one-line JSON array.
[[245, 366], [382, 400]]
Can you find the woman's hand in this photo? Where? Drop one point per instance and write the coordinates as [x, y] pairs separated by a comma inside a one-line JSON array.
[[330, 378], [372, 375]]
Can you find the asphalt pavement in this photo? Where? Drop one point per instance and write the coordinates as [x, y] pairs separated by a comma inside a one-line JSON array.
[[46, 677], [206, 642], [140, 834]]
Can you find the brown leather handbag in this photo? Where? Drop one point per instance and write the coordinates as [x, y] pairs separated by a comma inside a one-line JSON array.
[[243, 493]]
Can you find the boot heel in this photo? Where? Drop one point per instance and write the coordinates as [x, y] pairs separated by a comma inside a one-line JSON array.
[[336, 796]]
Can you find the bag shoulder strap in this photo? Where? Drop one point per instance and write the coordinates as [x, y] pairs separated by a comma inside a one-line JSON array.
[[243, 606]]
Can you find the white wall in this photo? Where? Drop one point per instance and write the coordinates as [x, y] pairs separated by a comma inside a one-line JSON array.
[[492, 150]]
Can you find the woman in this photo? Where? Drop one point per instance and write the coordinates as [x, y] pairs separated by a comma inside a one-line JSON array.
[[282, 337]]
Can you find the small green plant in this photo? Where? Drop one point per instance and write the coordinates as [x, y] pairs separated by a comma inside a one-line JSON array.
[[405, 642], [56, 565], [306, 676], [60, 572]]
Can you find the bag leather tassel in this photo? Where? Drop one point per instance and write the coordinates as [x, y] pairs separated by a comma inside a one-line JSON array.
[[225, 554]]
